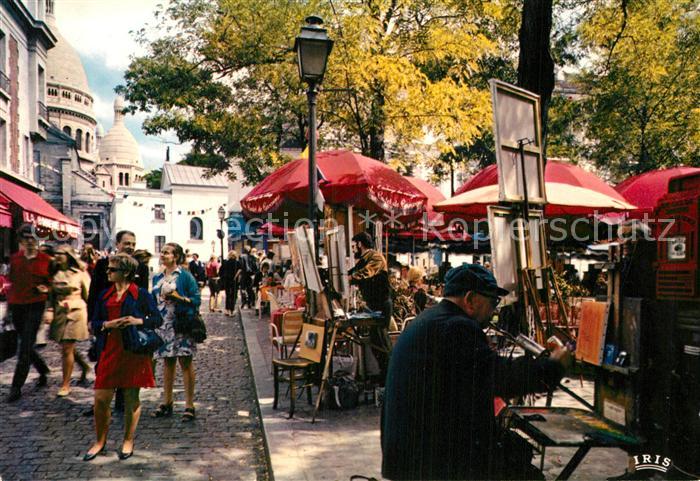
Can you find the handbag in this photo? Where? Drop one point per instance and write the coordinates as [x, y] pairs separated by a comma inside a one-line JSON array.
[[192, 325], [8, 339], [141, 340]]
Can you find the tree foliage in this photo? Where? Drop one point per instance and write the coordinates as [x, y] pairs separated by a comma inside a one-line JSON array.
[[643, 83], [222, 75]]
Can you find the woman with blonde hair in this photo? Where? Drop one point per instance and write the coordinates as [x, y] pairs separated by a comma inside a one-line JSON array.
[[120, 307], [67, 311]]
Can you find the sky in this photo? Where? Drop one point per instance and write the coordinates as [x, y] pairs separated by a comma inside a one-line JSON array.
[[99, 31]]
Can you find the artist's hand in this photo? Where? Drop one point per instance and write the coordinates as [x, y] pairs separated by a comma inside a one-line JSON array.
[[563, 356], [42, 289], [123, 322]]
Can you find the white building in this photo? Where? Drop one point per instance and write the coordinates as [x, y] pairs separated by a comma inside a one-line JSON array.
[[184, 210]]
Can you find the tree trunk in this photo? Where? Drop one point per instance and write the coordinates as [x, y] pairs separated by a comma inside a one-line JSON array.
[[377, 126], [535, 65]]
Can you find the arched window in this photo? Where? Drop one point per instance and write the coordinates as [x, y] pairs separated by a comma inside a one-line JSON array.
[[196, 229], [126, 179], [79, 139], [67, 130], [121, 178], [87, 142]]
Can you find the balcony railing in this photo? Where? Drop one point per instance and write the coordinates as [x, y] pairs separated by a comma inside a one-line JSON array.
[[4, 82], [43, 112]]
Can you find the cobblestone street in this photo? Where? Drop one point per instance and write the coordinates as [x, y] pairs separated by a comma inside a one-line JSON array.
[[44, 437]]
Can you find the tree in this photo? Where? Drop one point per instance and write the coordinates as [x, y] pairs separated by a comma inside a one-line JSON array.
[[222, 76], [535, 66], [153, 178], [643, 81]]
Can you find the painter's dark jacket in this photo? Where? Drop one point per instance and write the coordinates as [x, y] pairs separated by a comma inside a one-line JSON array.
[[438, 420]]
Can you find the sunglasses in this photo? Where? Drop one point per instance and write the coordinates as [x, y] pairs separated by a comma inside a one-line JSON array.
[[494, 300], [114, 269]]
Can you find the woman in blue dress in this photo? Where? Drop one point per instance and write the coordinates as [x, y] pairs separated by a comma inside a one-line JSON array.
[[176, 294]]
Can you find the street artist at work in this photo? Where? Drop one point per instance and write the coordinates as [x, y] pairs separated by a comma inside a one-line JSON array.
[[370, 274], [438, 420]]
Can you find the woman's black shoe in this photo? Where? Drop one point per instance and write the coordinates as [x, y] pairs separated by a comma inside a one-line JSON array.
[[122, 455], [90, 457]]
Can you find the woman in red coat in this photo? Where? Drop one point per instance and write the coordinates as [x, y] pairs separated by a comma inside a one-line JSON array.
[[120, 306]]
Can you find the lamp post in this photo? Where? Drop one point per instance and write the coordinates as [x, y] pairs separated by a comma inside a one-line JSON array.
[[313, 48], [220, 234]]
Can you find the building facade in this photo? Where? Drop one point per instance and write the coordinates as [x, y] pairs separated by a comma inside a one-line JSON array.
[[183, 210]]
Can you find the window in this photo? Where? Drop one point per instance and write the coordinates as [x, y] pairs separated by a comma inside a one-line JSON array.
[[3, 143], [159, 212], [37, 166], [53, 91], [67, 130], [27, 171], [41, 78], [87, 142], [65, 94], [78, 98], [79, 139], [3, 55], [121, 178], [126, 179], [196, 229], [160, 242]]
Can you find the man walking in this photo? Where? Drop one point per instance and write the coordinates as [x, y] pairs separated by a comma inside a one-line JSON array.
[[30, 281], [370, 274]]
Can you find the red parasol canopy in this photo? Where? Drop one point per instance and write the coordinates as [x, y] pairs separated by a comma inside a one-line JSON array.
[[434, 196], [570, 191], [348, 179], [645, 190]]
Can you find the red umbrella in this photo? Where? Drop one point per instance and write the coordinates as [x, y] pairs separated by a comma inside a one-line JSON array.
[[645, 190], [349, 179], [434, 196], [570, 191]]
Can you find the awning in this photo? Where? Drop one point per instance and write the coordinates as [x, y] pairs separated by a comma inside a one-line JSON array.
[[5, 217], [37, 211]]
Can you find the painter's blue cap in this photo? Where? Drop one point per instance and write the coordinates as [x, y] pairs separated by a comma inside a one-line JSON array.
[[472, 277]]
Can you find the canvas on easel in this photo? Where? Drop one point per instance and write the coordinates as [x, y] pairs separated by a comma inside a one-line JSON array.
[[503, 251], [591, 334], [337, 262], [304, 243]]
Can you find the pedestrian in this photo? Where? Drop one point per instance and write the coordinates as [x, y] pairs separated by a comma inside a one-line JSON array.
[[26, 299], [248, 269], [212, 273], [176, 294], [438, 417], [197, 270], [416, 286], [126, 244], [67, 312], [122, 305], [370, 274], [229, 274], [89, 256], [5, 266]]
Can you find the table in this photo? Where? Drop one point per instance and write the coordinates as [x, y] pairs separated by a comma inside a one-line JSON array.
[[570, 427]]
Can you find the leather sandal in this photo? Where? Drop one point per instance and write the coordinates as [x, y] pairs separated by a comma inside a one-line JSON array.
[[163, 411], [188, 415]]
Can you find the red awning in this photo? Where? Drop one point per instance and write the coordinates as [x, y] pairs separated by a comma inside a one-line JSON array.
[[37, 211], [5, 217]]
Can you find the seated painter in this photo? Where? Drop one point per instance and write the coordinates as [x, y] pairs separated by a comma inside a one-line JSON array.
[[438, 419]]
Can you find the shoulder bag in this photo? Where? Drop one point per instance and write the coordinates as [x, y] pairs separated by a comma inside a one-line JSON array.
[[141, 340]]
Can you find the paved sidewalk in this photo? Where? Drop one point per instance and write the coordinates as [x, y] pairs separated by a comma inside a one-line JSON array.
[[42, 437], [343, 443]]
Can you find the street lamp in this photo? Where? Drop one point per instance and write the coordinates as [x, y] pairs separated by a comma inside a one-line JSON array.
[[220, 234], [313, 48]]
